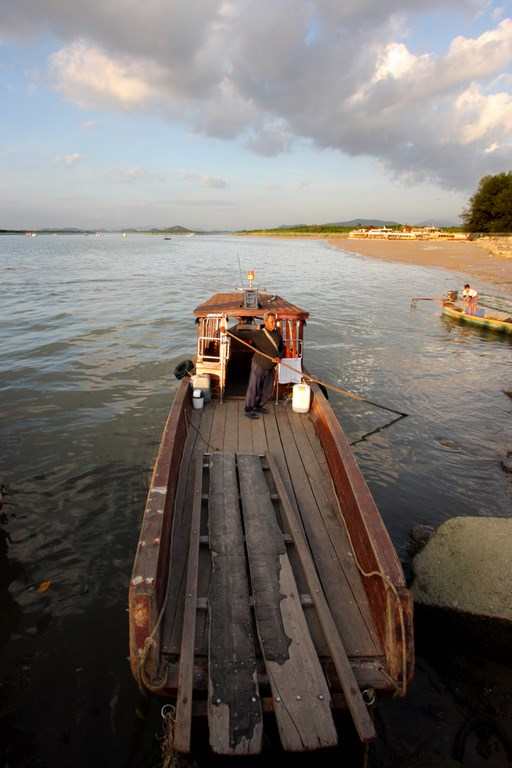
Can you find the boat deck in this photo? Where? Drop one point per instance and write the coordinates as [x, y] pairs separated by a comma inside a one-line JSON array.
[[291, 441]]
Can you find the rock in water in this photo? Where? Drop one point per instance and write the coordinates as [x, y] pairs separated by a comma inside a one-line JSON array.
[[506, 463], [465, 566], [419, 535]]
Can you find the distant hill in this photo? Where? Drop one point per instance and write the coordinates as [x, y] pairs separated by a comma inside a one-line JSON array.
[[174, 230], [365, 223], [352, 223], [48, 231], [438, 223]]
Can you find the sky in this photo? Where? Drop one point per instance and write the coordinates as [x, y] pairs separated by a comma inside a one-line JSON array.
[[225, 114]]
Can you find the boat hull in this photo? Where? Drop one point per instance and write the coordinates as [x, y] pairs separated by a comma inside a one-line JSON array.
[[488, 323]]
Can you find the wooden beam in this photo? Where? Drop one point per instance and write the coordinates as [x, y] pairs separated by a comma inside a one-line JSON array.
[[301, 695], [360, 715], [234, 706], [186, 670]]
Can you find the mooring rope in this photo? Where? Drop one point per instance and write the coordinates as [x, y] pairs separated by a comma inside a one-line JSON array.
[[339, 390], [169, 757], [189, 423], [399, 687], [142, 681]]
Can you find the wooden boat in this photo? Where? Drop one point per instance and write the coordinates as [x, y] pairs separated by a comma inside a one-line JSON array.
[[264, 579], [499, 322]]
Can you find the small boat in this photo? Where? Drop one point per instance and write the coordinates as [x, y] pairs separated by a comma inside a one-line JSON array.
[[499, 322], [265, 584]]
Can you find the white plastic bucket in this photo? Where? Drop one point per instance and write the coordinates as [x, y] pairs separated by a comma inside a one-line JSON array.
[[197, 399], [301, 398], [202, 381]]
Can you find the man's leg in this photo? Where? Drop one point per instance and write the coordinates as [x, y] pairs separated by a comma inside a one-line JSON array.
[[267, 388], [254, 388]]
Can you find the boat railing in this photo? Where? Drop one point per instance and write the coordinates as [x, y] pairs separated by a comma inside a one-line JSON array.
[[213, 356]]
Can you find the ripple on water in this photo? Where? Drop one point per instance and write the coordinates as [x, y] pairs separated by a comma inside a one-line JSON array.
[[86, 384]]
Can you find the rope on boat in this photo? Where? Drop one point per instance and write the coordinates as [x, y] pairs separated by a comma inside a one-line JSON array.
[[142, 681], [340, 390], [400, 687], [189, 423], [169, 756]]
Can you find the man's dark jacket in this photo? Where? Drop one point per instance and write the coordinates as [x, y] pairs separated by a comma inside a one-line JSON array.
[[262, 343]]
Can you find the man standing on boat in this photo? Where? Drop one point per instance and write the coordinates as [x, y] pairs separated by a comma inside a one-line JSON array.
[[261, 380], [470, 300]]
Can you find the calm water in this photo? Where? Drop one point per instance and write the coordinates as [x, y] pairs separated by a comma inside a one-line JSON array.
[[91, 329]]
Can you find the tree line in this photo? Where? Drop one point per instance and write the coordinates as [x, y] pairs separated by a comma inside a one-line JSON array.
[[490, 208]]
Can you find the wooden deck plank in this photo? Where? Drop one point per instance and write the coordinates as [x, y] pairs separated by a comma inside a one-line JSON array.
[[319, 476], [231, 430], [205, 427], [276, 448], [300, 691], [234, 706], [353, 697], [183, 724], [244, 429], [218, 426], [173, 617], [259, 438], [350, 624]]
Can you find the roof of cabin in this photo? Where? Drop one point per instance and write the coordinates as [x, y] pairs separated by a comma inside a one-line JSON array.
[[232, 304]]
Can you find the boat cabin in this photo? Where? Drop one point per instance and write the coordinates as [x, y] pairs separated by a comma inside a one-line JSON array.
[[228, 362]]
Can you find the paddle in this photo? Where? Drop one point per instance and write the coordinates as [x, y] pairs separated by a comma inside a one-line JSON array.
[[426, 298]]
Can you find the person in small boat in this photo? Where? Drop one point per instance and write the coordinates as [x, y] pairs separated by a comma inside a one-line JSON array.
[[261, 380], [470, 300]]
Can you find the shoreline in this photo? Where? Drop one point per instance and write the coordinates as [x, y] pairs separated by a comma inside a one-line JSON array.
[[470, 257], [488, 259]]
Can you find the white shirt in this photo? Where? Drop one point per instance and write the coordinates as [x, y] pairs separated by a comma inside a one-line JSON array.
[[469, 293]]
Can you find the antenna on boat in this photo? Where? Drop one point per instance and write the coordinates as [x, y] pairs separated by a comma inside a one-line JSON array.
[[240, 270]]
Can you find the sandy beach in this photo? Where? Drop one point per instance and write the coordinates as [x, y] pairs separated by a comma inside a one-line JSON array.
[[484, 262]]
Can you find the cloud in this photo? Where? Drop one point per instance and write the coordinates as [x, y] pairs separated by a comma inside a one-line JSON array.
[[88, 77], [484, 116], [270, 139], [208, 203], [132, 175], [214, 182], [211, 182], [341, 75], [89, 125], [69, 160]]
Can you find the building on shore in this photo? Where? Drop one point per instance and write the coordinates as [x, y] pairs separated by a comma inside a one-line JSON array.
[[406, 233]]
